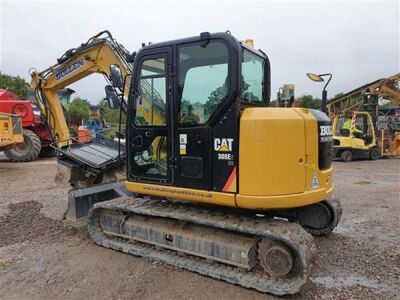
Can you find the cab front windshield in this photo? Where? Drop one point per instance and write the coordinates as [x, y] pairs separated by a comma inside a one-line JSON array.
[[203, 81]]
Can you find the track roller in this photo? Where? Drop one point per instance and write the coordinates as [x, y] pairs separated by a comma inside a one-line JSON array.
[[275, 258]]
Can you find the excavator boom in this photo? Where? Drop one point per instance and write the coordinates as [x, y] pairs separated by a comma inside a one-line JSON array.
[[94, 56]]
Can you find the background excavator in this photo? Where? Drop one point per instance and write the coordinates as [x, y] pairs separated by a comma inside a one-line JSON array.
[[211, 170], [91, 161]]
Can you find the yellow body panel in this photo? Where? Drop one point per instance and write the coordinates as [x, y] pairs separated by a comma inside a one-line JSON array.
[[267, 165], [289, 201], [277, 165], [352, 142]]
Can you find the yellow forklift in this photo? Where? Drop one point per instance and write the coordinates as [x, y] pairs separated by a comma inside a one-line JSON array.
[[355, 133]]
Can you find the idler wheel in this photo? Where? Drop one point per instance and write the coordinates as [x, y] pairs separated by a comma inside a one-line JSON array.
[[275, 258]]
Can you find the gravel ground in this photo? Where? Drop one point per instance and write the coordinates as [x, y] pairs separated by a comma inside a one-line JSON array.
[[44, 257]]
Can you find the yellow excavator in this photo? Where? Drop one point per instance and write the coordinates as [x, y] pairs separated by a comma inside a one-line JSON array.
[[94, 56], [216, 182], [93, 162], [10, 131]]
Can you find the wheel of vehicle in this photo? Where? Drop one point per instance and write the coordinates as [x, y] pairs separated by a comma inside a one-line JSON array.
[[374, 154], [333, 154], [346, 155], [28, 151]]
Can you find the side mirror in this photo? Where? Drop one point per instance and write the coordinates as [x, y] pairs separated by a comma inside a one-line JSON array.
[[116, 76], [112, 97]]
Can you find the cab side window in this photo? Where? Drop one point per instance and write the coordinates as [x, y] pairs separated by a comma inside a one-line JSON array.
[[151, 101], [252, 78]]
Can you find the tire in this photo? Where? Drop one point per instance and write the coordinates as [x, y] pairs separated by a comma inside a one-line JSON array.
[[333, 154], [374, 154], [346, 156], [27, 152]]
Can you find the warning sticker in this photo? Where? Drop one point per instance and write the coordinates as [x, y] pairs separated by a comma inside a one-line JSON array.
[[315, 182], [182, 143], [182, 149], [183, 138]]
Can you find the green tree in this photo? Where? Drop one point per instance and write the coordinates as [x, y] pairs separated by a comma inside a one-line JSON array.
[[184, 105], [110, 115], [386, 104], [79, 107], [14, 84], [247, 95], [308, 101], [214, 100], [216, 97]]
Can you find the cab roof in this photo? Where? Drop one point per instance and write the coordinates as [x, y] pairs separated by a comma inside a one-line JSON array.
[[230, 39]]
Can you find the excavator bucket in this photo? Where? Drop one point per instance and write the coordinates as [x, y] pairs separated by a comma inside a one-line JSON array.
[[85, 192], [93, 171]]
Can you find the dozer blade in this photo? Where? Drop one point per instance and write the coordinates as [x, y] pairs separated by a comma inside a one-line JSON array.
[[268, 255], [80, 201]]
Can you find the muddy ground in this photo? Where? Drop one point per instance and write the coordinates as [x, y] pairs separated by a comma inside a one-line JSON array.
[[44, 257]]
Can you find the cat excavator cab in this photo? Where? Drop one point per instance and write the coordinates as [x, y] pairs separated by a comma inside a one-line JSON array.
[[216, 182]]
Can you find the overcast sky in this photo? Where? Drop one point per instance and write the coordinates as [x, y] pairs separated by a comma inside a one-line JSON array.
[[356, 41]]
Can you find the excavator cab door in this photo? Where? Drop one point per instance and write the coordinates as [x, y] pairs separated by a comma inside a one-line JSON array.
[[204, 85], [149, 158], [183, 115]]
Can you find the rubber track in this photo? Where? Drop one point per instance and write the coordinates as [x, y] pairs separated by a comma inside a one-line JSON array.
[[293, 235]]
